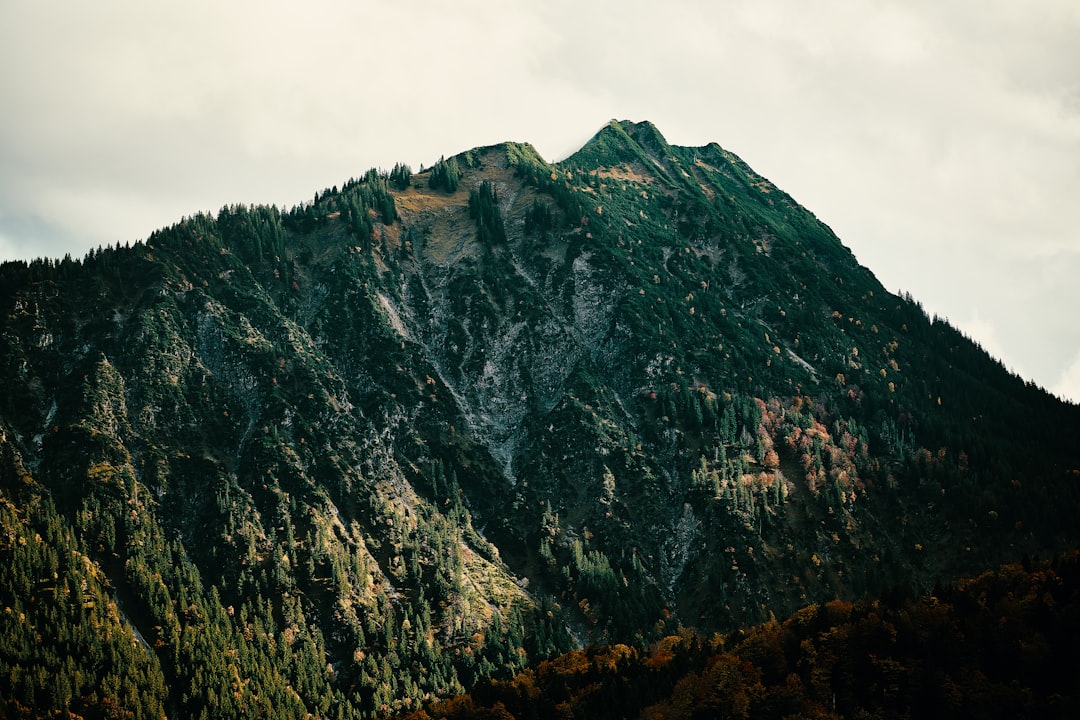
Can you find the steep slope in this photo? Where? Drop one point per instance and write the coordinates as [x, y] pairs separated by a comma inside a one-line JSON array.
[[428, 426]]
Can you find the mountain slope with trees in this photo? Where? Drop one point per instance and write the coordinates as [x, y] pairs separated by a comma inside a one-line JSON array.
[[430, 426], [1003, 645]]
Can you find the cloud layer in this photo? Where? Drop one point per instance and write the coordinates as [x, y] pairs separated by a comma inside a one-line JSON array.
[[938, 139]]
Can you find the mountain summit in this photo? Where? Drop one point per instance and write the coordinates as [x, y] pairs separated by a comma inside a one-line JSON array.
[[433, 425]]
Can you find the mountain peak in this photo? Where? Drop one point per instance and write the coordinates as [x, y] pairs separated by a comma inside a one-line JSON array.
[[514, 153], [644, 133], [622, 141]]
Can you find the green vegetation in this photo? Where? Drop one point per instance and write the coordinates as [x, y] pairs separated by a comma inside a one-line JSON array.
[[484, 209], [400, 176], [63, 641], [445, 175]]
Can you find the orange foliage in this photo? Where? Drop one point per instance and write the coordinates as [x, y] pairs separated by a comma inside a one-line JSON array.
[[997, 646]]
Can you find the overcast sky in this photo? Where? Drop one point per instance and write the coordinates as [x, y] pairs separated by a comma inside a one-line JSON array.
[[940, 139]]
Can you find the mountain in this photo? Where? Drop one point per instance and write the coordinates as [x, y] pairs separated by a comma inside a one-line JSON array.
[[429, 427]]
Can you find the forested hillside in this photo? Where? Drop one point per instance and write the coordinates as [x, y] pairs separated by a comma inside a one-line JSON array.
[[1004, 645], [430, 427]]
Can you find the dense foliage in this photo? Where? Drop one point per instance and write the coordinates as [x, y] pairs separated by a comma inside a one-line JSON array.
[[1004, 645], [445, 175], [412, 435]]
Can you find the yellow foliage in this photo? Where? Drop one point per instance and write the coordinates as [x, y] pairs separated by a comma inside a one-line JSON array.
[[101, 472]]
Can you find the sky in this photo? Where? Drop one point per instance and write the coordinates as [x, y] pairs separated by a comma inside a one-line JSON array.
[[940, 139]]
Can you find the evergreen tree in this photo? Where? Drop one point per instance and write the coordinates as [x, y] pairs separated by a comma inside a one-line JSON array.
[[445, 175]]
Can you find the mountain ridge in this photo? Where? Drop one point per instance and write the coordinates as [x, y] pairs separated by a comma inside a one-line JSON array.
[[432, 425]]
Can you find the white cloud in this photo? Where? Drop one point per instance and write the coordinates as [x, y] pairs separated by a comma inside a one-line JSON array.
[[1068, 385], [983, 332]]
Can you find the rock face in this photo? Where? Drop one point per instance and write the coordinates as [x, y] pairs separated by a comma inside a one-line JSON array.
[[432, 425]]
